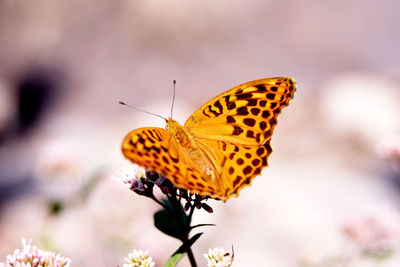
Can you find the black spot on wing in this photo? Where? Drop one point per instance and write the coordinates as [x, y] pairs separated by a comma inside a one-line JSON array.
[[244, 96], [239, 161], [247, 170], [237, 180], [204, 112], [270, 96], [242, 111], [230, 119], [265, 114], [218, 105], [252, 102], [261, 88], [231, 105], [237, 130], [250, 134], [255, 111], [249, 122]]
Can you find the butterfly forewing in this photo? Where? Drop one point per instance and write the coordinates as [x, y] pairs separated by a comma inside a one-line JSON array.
[[245, 114], [236, 127]]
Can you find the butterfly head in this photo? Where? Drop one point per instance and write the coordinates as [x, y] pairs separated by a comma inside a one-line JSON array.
[[172, 125]]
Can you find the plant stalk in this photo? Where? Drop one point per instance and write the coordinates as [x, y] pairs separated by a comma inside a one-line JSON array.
[[191, 258]]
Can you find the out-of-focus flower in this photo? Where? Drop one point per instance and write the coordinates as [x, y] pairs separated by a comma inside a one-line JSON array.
[[390, 149], [130, 174], [372, 237], [138, 258], [217, 257], [31, 256]]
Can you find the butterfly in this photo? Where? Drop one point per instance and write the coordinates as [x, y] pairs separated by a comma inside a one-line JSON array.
[[222, 146]]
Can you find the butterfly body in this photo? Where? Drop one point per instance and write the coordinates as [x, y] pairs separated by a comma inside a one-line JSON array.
[[190, 149], [179, 133], [222, 146]]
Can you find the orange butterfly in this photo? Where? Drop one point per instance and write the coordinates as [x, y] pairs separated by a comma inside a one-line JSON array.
[[222, 146]]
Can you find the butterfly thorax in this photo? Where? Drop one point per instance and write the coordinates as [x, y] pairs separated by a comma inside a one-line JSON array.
[[179, 133], [185, 139]]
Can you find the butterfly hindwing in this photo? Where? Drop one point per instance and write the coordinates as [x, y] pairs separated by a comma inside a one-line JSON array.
[[152, 149], [155, 149]]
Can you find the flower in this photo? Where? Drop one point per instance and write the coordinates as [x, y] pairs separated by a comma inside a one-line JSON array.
[[138, 258], [130, 174], [390, 149], [31, 256], [217, 257], [372, 237]]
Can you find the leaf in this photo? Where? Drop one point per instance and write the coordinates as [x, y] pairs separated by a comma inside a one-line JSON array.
[[202, 224], [182, 251], [174, 259], [166, 222]]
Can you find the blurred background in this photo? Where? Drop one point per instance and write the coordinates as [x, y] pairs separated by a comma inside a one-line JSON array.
[[331, 193]]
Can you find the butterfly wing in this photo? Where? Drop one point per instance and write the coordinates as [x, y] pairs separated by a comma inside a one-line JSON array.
[[234, 129], [245, 114], [155, 149]]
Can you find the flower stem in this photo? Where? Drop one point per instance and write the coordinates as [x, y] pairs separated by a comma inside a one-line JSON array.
[[159, 202], [191, 258], [189, 222]]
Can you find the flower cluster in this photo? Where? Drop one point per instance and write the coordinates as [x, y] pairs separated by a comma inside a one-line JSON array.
[[217, 257], [138, 258], [174, 219], [31, 256], [142, 182]]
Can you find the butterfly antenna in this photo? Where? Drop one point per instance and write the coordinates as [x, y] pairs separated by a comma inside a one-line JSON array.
[[138, 109], [173, 99]]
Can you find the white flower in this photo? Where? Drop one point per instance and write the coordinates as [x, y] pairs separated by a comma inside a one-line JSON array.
[[138, 258], [31, 256], [217, 257], [130, 174]]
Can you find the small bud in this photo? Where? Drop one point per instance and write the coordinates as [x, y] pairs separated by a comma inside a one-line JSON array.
[[167, 182], [139, 189], [198, 206], [207, 208], [187, 206], [134, 184], [166, 189], [151, 175], [183, 193], [159, 181]]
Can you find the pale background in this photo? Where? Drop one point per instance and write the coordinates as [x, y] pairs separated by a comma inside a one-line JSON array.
[[327, 167]]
